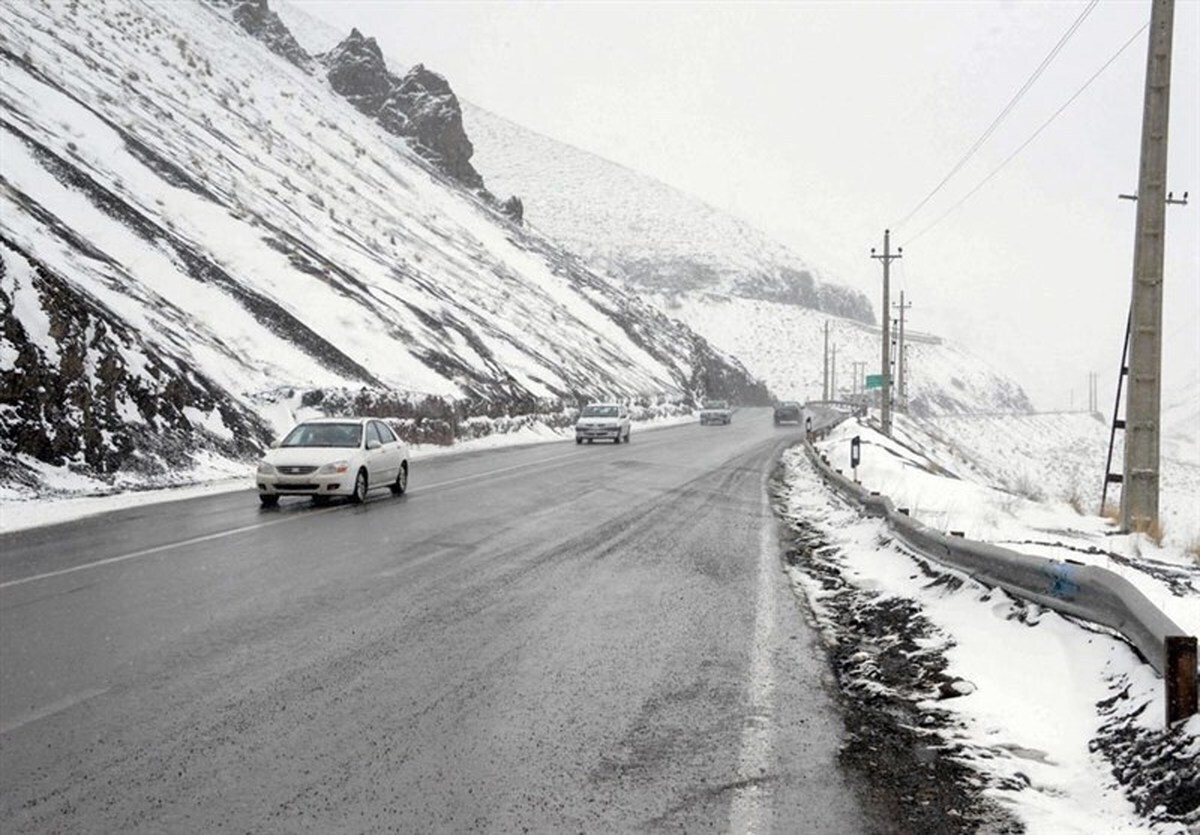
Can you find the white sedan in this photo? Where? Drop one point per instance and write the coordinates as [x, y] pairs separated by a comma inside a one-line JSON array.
[[333, 457], [604, 421]]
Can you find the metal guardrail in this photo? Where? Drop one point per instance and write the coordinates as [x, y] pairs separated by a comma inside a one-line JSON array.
[[1083, 591]]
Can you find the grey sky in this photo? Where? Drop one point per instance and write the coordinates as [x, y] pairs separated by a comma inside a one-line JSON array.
[[823, 123]]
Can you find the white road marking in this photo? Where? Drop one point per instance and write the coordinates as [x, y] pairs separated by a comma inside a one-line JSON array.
[[49, 710], [170, 546], [750, 808], [158, 549]]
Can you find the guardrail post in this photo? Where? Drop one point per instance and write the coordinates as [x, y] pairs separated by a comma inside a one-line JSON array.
[[1180, 677]]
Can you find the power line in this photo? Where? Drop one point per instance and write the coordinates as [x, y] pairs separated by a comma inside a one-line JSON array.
[[1029, 82], [1034, 136]]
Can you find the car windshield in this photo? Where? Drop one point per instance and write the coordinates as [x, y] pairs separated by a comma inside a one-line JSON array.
[[714, 404], [324, 435], [599, 411]]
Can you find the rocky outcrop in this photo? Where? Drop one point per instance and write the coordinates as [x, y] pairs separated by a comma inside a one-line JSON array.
[[420, 106], [514, 208], [358, 73], [256, 18], [434, 122]]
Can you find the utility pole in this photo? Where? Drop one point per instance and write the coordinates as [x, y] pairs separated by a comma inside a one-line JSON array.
[[833, 374], [885, 399], [902, 360], [1139, 496], [825, 372]]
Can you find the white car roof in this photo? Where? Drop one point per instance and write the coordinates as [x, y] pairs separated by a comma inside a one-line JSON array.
[[337, 420]]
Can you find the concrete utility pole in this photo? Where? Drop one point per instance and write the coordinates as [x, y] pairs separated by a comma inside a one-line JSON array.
[[833, 374], [825, 371], [902, 360], [885, 397], [1139, 496]]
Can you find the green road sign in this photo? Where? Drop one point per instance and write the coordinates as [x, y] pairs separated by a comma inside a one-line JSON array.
[[874, 381]]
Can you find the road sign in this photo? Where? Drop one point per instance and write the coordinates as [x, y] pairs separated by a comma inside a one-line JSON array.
[[874, 381], [855, 451]]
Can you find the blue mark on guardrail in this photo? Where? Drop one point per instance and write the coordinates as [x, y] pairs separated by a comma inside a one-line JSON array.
[[1063, 585]]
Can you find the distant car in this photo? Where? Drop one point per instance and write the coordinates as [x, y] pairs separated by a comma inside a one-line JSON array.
[[716, 411], [602, 421], [334, 457], [788, 411]]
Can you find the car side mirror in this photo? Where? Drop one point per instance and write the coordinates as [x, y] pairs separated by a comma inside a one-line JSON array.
[[373, 444], [275, 443]]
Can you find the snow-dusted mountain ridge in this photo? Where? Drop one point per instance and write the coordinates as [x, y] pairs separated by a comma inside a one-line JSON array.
[[744, 292], [198, 231]]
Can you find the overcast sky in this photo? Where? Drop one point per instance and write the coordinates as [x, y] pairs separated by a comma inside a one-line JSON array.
[[824, 123]]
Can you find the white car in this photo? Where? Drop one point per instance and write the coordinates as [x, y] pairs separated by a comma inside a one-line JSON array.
[[716, 411], [333, 457], [604, 421]]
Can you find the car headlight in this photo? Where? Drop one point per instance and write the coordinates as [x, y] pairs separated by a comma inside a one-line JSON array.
[[265, 469], [334, 468]]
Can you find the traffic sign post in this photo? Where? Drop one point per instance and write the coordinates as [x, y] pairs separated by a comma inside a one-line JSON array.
[[855, 455]]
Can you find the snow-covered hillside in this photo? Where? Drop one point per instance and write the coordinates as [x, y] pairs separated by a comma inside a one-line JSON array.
[[784, 345], [652, 236], [1060, 458], [196, 226], [623, 222], [742, 291]]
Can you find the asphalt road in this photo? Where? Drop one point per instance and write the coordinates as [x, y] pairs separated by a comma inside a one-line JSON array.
[[554, 638]]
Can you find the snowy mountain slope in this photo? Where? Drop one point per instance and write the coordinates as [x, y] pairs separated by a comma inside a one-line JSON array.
[[624, 222], [741, 290], [1181, 422], [183, 210], [1060, 457], [784, 346], [653, 236]]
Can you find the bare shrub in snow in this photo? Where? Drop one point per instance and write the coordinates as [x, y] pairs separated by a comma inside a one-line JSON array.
[[1025, 485]]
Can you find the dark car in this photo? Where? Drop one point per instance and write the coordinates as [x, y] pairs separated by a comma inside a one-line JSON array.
[[788, 411]]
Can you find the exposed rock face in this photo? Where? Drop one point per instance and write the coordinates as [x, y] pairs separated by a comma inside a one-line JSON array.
[[798, 287], [257, 18], [514, 208], [434, 120], [358, 73], [420, 106], [88, 392]]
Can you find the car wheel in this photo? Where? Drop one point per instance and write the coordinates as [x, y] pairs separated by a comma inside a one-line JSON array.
[[579, 440], [401, 482], [360, 488], [268, 500], [626, 436], [589, 440]]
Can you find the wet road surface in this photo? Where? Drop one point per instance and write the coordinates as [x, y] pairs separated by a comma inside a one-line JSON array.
[[549, 639]]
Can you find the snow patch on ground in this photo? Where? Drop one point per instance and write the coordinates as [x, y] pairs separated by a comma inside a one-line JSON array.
[[1062, 719]]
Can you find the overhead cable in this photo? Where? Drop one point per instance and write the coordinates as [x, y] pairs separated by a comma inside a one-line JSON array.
[[1034, 136], [1029, 82]]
